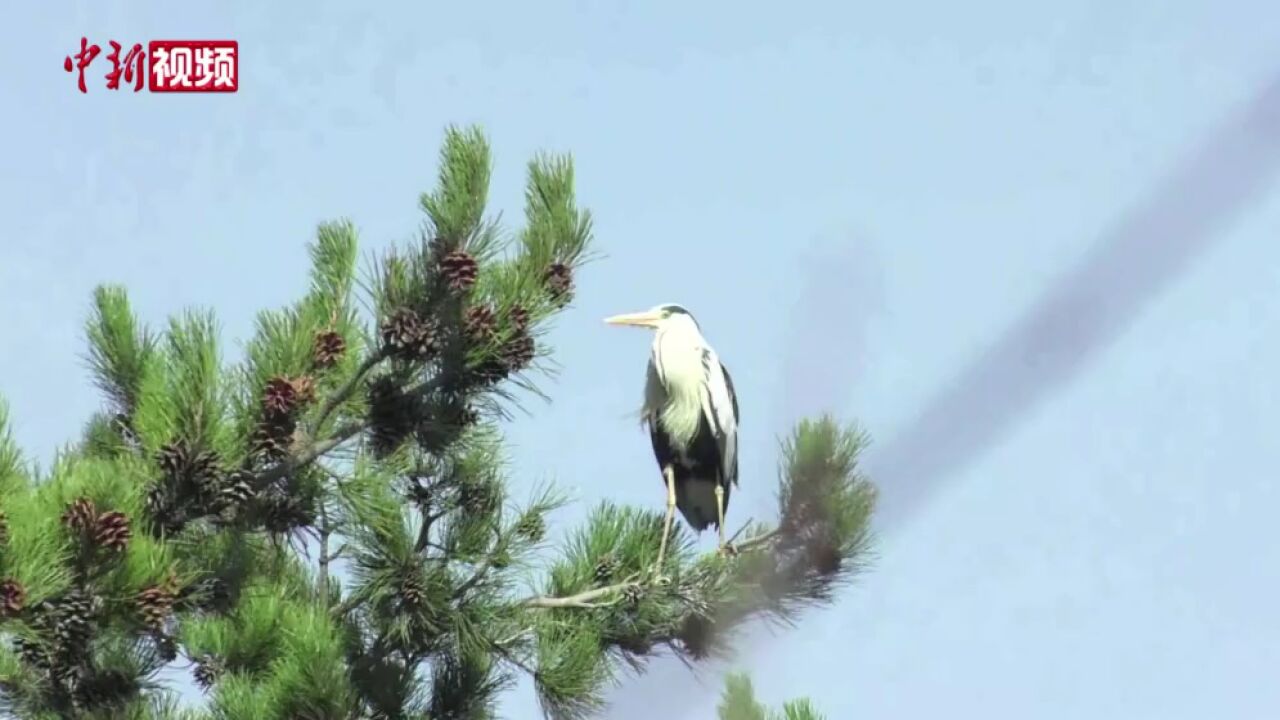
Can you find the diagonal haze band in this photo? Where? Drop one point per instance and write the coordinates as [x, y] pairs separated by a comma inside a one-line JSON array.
[[1084, 311], [1080, 315]]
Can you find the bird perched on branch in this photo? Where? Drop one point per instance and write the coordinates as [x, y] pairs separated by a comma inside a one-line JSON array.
[[691, 412]]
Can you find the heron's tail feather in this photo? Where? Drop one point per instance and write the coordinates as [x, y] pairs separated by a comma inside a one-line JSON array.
[[696, 500]]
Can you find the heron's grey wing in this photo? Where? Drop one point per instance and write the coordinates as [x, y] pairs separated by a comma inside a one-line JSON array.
[[655, 393], [733, 398], [720, 405]]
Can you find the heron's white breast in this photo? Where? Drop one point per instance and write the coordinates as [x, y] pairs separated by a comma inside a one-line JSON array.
[[678, 353]]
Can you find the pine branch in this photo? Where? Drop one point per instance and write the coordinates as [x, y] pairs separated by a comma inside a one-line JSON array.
[[512, 658], [476, 578], [346, 606], [348, 388], [757, 542], [583, 599], [586, 599], [424, 533], [324, 530], [309, 454]]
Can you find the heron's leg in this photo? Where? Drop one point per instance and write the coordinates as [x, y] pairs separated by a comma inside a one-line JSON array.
[[670, 477], [725, 547]]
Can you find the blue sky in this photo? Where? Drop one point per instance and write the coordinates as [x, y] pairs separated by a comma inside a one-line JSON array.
[[887, 186]]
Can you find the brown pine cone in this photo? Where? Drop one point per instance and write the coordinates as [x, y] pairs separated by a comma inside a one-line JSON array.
[[181, 463], [479, 324], [113, 531], [532, 527], [205, 469], [272, 436], [477, 498], [156, 502], [412, 592], [304, 388], [519, 352], [154, 605], [80, 516], [518, 315], [13, 597], [237, 490], [207, 671], [606, 568], [328, 348], [459, 269], [72, 616], [558, 280], [400, 329], [174, 458], [280, 397], [408, 336]]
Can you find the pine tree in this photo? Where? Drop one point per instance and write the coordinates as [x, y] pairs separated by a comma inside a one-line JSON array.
[[738, 702], [327, 528]]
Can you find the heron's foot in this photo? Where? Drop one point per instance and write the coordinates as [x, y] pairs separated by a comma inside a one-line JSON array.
[[659, 578], [727, 550]]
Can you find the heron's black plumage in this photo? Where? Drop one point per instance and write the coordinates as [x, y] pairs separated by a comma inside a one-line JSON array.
[[673, 309], [709, 459]]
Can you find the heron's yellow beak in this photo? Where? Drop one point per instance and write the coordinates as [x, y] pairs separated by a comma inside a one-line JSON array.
[[647, 319]]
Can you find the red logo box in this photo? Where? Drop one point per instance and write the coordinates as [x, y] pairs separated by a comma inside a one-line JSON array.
[[193, 66]]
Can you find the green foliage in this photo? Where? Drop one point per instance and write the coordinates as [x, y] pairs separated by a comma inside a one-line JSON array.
[[738, 702], [556, 230], [182, 395], [12, 472], [328, 526], [333, 271], [456, 208], [120, 350]]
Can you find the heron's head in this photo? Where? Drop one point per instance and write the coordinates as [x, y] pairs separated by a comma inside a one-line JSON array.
[[659, 317]]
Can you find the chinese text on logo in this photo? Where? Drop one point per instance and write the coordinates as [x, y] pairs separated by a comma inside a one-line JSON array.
[[168, 65], [194, 65]]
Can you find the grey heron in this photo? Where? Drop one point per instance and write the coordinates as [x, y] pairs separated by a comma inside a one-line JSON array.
[[691, 412]]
